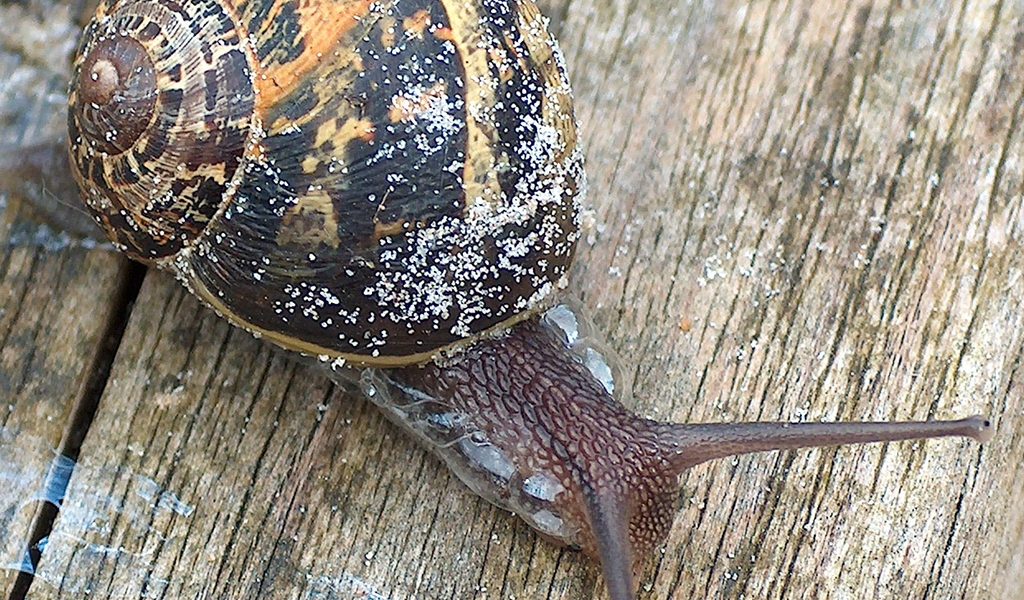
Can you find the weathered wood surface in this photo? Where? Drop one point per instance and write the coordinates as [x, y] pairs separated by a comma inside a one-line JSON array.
[[805, 210], [55, 299]]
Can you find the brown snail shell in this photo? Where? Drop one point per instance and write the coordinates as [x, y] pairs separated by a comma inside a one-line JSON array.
[[376, 181]]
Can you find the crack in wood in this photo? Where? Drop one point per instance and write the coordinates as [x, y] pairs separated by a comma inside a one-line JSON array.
[[84, 411]]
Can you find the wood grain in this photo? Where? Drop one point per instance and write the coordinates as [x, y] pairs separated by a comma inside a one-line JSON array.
[[805, 210], [55, 297]]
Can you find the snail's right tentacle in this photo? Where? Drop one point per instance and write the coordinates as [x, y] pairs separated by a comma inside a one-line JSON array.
[[686, 445]]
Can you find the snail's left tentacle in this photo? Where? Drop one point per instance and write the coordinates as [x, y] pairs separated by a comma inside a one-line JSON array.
[[609, 515]]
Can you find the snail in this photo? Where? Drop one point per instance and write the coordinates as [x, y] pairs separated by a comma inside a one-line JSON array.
[[396, 187]]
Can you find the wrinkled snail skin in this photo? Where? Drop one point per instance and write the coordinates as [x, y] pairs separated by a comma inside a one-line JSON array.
[[396, 186], [524, 424]]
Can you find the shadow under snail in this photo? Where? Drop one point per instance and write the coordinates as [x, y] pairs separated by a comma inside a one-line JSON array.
[[396, 186]]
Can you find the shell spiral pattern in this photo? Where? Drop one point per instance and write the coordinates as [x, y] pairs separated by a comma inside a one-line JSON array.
[[159, 120], [374, 181]]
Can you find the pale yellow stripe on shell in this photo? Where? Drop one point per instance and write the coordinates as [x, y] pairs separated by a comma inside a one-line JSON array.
[[323, 24], [480, 171], [334, 78], [558, 95]]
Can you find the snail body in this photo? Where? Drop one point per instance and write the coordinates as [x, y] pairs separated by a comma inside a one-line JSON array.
[[396, 186]]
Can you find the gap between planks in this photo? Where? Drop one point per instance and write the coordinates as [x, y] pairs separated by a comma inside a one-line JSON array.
[[129, 282]]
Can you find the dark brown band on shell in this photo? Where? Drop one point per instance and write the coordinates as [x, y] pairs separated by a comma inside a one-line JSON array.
[[160, 113], [117, 83]]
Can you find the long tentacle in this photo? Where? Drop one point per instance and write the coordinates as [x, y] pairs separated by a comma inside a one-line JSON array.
[[609, 520], [691, 444]]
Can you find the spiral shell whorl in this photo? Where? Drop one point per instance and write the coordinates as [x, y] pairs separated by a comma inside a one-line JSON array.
[[118, 93], [152, 174]]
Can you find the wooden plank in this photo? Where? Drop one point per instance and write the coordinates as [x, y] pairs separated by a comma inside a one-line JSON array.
[[828, 197], [55, 296], [807, 210]]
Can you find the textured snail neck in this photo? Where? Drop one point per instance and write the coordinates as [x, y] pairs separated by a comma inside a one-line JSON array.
[[521, 409], [117, 83], [537, 414]]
